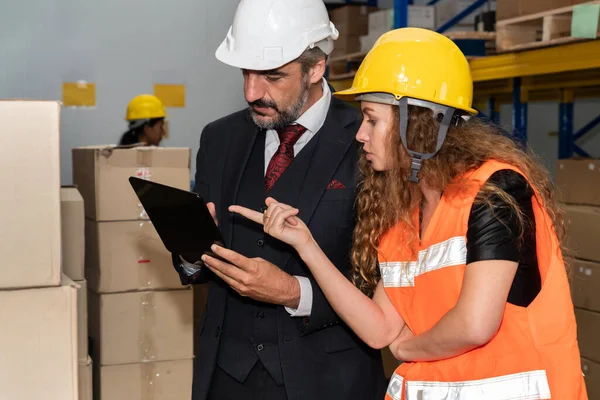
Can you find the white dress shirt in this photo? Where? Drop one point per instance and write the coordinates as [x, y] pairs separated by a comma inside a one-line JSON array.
[[312, 119]]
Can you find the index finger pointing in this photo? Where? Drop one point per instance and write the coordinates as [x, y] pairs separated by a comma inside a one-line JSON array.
[[246, 212]]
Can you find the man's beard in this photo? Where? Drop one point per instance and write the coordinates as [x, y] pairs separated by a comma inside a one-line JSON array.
[[283, 118]]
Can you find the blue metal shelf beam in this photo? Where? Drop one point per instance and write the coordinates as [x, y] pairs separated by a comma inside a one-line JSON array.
[[519, 113], [493, 110], [400, 14], [588, 127], [566, 140], [581, 152]]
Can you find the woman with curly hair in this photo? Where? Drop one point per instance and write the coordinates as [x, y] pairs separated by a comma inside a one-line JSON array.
[[457, 252]]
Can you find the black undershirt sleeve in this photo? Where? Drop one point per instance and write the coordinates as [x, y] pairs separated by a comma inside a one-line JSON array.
[[494, 234]]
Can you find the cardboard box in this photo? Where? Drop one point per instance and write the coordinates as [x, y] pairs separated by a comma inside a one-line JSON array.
[[581, 222], [30, 195], [585, 284], [346, 45], [578, 181], [125, 256], [167, 380], [506, 9], [421, 17], [418, 16], [367, 42], [85, 379], [82, 321], [588, 332], [73, 232], [38, 343], [128, 328], [346, 28], [351, 14], [102, 173], [448, 9], [591, 372]]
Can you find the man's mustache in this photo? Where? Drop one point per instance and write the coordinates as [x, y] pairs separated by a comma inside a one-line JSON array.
[[262, 103]]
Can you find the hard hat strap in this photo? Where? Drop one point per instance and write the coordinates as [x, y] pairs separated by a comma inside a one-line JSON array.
[[417, 157]]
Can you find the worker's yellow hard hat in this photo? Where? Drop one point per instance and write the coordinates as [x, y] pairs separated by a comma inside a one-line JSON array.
[[145, 106], [415, 63]]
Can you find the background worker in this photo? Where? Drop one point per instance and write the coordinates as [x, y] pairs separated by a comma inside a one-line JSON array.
[[147, 124]]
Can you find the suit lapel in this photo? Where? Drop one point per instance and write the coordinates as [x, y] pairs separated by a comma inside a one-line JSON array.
[[238, 153], [337, 136]]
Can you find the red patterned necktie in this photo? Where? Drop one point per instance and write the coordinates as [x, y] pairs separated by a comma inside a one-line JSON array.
[[284, 155]]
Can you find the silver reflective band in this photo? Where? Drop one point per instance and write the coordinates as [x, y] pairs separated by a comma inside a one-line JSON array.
[[448, 253], [532, 385], [394, 389]]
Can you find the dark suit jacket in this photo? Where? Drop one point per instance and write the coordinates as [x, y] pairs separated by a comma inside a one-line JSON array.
[[320, 356]]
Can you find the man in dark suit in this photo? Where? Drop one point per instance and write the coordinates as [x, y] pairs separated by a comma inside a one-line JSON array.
[[268, 332]]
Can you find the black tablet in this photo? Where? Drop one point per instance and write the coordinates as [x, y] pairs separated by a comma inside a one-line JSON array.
[[181, 218]]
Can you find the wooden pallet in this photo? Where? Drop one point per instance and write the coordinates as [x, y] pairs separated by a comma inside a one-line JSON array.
[[471, 35], [543, 29]]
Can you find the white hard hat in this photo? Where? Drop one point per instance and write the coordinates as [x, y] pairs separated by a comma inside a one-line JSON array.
[[267, 34]]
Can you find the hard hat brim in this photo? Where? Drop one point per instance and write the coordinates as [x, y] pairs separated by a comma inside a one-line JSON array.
[[236, 60], [352, 93]]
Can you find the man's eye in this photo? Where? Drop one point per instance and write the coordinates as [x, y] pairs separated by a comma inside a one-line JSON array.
[[273, 78]]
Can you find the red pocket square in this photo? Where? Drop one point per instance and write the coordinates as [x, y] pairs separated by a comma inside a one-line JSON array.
[[335, 184]]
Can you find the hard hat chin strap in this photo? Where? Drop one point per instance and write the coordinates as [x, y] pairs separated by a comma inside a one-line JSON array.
[[417, 158]]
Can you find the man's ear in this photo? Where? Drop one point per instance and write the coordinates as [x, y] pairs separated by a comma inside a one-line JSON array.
[[317, 71]]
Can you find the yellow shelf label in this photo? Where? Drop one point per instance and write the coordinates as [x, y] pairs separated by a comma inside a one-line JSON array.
[[170, 95], [79, 94]]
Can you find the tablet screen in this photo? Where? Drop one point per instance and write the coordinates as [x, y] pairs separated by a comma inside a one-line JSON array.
[[181, 218]]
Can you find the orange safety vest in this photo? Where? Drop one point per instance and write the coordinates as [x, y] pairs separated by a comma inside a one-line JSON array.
[[534, 355]]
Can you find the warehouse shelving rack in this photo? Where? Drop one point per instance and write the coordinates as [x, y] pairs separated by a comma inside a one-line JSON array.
[[561, 73]]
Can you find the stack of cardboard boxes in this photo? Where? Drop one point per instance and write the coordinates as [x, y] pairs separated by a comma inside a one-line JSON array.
[[140, 317], [73, 245], [420, 16], [578, 181], [352, 22], [382, 21], [38, 312]]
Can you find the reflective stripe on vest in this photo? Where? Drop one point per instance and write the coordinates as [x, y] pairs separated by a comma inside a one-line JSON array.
[[445, 254], [531, 385]]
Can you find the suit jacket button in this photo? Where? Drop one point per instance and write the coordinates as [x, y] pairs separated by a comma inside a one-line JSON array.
[[263, 208], [260, 347], [260, 243]]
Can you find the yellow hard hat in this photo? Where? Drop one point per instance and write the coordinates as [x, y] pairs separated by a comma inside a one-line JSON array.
[[145, 106], [415, 63]]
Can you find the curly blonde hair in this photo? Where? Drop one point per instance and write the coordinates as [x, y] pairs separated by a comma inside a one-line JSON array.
[[388, 197]]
